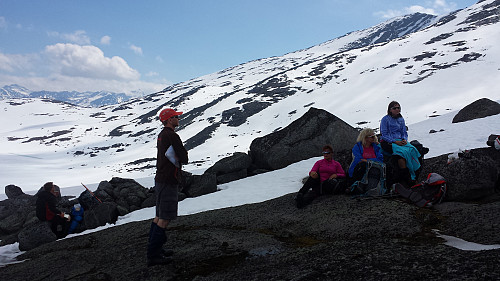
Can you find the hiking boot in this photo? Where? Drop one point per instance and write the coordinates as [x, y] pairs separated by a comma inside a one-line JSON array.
[[299, 200], [161, 260]]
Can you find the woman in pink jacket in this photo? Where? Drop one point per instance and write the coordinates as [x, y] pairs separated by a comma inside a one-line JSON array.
[[323, 178]]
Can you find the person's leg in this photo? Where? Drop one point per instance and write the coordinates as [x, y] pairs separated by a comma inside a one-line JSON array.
[[300, 198], [310, 183], [57, 225], [359, 171], [166, 210]]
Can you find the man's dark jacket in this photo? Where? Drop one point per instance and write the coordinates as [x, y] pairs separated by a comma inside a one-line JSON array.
[[166, 172], [46, 206]]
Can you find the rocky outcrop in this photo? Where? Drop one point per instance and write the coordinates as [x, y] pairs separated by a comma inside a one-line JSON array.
[[302, 139], [13, 191], [334, 238], [475, 175], [479, 109]]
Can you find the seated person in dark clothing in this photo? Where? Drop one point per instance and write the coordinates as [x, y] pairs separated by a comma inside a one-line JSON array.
[[46, 210], [323, 178]]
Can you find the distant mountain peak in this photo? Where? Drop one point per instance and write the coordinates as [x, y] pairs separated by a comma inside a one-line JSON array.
[[85, 99]]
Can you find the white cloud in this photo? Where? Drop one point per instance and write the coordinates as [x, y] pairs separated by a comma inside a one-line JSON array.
[[106, 40], [436, 7], [12, 63], [137, 50], [159, 59], [88, 61], [78, 37], [71, 67]]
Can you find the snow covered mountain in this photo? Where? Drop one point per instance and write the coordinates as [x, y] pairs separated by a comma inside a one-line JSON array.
[[85, 99], [431, 66]]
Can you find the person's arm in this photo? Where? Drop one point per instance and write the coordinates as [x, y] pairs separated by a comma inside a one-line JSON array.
[[51, 205], [180, 150], [384, 130], [405, 133], [314, 173], [378, 152], [357, 152]]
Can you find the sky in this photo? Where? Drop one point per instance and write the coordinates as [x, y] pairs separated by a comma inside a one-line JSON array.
[[140, 47], [256, 189]]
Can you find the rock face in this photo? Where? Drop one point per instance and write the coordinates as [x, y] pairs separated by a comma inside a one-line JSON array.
[[479, 109], [35, 235], [473, 176], [334, 238], [12, 191], [302, 139]]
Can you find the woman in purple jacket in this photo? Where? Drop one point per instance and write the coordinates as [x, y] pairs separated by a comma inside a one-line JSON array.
[[322, 177], [395, 141]]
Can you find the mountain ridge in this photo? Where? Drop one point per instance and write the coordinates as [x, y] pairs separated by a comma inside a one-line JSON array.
[[85, 99], [434, 71]]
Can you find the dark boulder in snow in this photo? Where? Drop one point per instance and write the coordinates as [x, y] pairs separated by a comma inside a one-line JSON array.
[[13, 191], [302, 139], [479, 109], [231, 168], [236, 162], [35, 235], [104, 213], [201, 185]]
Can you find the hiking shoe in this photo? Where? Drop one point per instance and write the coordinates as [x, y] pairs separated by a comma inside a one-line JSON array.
[[299, 200], [161, 260]]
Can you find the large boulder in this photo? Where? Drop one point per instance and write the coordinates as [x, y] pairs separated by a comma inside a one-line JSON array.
[[100, 215], [479, 109], [12, 191], [470, 177], [35, 235], [302, 139], [231, 168], [201, 185], [128, 194], [236, 162]]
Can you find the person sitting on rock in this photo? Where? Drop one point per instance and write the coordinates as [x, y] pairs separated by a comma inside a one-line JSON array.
[[76, 217], [395, 142], [365, 153], [323, 178], [366, 148], [46, 210]]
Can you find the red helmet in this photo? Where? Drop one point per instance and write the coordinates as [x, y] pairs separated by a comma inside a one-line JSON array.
[[168, 113]]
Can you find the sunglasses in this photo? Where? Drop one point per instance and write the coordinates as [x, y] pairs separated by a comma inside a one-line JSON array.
[[372, 136], [395, 107], [326, 152], [176, 116]]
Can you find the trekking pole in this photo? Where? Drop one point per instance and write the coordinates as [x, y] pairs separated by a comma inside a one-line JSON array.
[[92, 193]]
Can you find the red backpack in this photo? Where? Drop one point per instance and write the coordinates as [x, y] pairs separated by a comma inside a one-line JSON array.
[[427, 193]]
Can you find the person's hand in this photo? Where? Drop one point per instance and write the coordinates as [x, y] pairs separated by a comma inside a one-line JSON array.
[[364, 160], [313, 175], [401, 142]]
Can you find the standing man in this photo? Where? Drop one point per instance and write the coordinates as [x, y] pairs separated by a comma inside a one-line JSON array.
[[167, 181]]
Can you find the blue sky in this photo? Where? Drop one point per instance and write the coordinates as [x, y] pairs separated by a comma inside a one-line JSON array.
[[124, 45]]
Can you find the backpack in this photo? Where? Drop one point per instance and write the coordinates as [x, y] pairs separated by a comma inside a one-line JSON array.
[[429, 192], [373, 181]]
